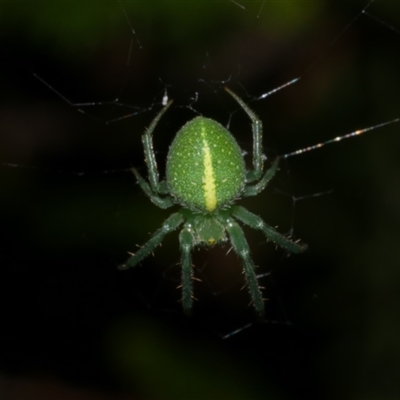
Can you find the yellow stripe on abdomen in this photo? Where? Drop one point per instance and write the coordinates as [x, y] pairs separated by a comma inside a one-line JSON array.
[[210, 194]]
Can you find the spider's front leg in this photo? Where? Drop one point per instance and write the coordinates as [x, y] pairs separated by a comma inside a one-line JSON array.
[[187, 242], [255, 222], [169, 225], [241, 247]]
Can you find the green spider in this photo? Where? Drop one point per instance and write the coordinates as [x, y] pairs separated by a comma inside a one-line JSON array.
[[206, 175]]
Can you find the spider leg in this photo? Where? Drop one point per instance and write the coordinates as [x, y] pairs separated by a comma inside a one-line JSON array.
[[241, 247], [162, 202], [147, 140], [169, 225], [258, 162], [255, 222], [187, 242], [253, 190]]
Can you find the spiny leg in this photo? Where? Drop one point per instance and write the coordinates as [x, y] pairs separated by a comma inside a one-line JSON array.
[[241, 247], [169, 225], [147, 139], [253, 190], [255, 222], [257, 139], [162, 202], [187, 242]]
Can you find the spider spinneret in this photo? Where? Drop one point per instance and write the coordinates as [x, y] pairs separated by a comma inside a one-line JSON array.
[[205, 175]]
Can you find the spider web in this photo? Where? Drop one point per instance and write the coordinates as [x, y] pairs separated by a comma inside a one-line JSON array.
[[75, 104]]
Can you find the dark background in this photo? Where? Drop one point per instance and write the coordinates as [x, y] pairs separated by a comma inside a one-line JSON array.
[[75, 327]]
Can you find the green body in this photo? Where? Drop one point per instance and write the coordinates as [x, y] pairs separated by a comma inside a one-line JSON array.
[[206, 174], [205, 167]]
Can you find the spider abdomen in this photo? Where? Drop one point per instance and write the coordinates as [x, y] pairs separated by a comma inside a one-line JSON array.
[[205, 167]]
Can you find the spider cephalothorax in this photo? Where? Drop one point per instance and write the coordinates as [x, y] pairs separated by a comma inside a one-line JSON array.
[[206, 174]]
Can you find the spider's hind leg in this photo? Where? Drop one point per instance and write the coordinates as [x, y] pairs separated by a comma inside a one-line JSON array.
[[253, 190], [147, 140], [162, 202], [256, 123]]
